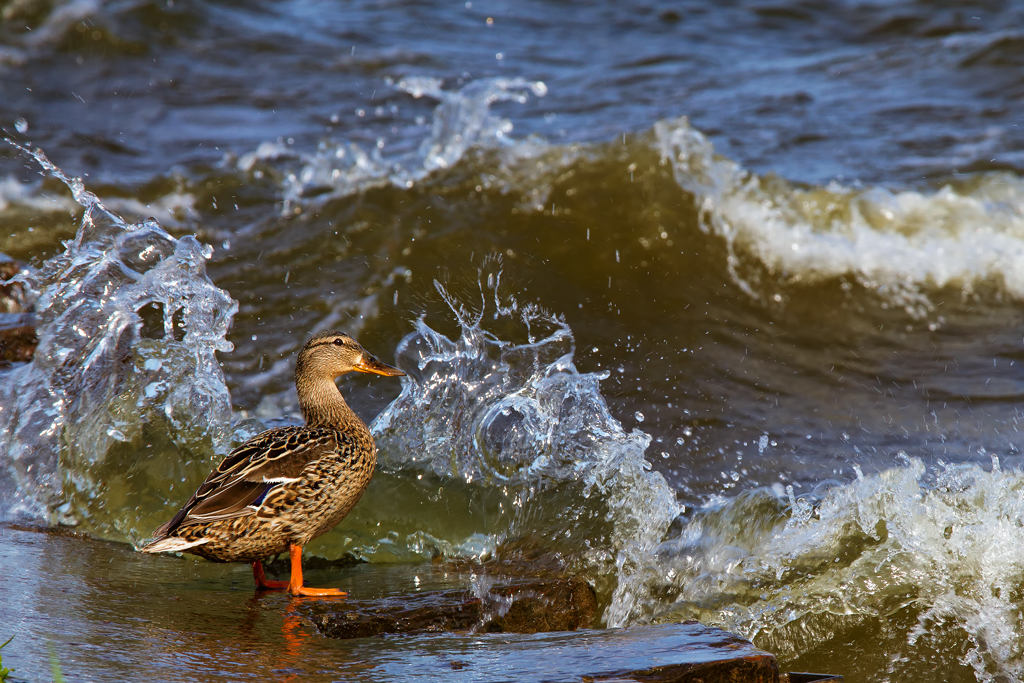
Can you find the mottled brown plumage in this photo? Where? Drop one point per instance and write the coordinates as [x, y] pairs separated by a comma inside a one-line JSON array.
[[285, 486]]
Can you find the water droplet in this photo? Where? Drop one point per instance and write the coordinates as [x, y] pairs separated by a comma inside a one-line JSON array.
[[21, 125], [639, 416]]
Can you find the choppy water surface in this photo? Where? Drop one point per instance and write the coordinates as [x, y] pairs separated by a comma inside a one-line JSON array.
[[720, 303]]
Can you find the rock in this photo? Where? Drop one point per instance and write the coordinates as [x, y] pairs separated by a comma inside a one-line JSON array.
[[668, 653], [527, 617], [521, 606], [429, 612], [564, 604], [17, 322]]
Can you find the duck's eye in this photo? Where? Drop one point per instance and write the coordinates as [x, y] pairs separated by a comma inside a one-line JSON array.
[[339, 342]]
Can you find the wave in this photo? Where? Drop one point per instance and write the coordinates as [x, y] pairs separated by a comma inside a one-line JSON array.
[[462, 126], [935, 556], [900, 244], [519, 418]]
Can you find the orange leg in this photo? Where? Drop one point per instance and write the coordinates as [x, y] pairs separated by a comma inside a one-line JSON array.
[[295, 586], [262, 582]]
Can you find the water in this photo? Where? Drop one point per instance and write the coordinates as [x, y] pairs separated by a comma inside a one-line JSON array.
[[722, 304], [206, 624]]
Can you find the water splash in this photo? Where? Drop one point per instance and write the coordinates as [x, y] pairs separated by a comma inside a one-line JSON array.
[[897, 243], [941, 551], [519, 417], [128, 326], [462, 122]]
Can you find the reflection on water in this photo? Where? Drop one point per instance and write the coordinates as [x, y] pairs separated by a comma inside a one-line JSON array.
[[111, 613]]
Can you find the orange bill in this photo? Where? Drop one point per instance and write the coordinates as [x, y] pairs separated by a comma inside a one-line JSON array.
[[371, 364]]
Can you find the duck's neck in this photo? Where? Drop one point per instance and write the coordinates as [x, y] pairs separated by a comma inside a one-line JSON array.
[[322, 405]]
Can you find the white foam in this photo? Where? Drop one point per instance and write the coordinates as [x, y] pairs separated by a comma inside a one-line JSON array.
[[949, 544], [900, 243]]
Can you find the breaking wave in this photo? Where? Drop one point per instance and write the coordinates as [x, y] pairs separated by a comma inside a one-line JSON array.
[[967, 234], [909, 556], [521, 419], [899, 244], [462, 125]]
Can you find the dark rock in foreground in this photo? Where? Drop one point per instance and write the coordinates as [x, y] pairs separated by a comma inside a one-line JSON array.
[[522, 606], [670, 653], [510, 624]]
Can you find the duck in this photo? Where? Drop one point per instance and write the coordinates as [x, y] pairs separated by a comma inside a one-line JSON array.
[[288, 485]]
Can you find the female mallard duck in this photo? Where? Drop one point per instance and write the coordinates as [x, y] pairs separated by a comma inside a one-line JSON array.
[[284, 487]]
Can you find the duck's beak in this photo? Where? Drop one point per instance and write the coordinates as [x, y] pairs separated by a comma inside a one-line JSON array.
[[371, 364]]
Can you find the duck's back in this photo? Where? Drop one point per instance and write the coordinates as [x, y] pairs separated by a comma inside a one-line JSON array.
[[285, 485], [327, 487]]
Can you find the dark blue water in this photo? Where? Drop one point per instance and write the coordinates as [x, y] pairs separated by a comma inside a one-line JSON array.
[[879, 92]]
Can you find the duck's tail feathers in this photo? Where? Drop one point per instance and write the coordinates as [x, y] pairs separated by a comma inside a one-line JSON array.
[[172, 544]]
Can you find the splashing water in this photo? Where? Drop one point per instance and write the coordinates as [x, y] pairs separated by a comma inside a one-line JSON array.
[[521, 418], [128, 327], [462, 123], [944, 557]]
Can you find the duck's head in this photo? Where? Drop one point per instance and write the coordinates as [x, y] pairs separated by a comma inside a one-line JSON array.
[[332, 354]]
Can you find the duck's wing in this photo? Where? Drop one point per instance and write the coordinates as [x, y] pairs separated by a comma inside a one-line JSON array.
[[242, 481]]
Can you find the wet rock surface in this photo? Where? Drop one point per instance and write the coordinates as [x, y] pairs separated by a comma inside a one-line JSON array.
[[530, 609], [492, 606], [521, 622], [529, 590], [17, 324]]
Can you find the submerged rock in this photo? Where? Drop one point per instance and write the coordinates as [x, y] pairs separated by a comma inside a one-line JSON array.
[[517, 606], [17, 322], [529, 613], [430, 612], [677, 653], [564, 604]]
